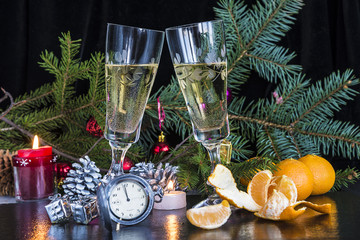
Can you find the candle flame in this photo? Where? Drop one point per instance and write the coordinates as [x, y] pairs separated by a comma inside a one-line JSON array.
[[170, 186], [36, 142]]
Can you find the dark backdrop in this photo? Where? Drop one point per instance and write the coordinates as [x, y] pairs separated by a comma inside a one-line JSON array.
[[326, 36]]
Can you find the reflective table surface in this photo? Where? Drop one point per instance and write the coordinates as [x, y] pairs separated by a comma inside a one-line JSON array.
[[29, 220]]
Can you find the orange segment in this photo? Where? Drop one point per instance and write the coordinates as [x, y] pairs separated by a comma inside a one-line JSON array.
[[221, 177], [238, 198], [209, 217], [258, 187], [285, 185], [274, 206]]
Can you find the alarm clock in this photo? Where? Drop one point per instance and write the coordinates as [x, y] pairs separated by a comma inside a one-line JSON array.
[[126, 200]]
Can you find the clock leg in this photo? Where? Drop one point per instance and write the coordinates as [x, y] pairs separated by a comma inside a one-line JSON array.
[[118, 227]]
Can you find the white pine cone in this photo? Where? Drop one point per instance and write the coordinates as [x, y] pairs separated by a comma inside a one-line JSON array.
[[82, 180], [158, 176]]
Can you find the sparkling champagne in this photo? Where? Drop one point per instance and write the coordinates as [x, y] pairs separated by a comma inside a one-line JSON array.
[[205, 93], [128, 88]]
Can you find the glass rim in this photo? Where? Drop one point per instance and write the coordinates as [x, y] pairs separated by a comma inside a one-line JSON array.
[[191, 25], [140, 28]]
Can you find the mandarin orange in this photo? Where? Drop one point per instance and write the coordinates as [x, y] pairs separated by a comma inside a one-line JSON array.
[[299, 173], [323, 172]]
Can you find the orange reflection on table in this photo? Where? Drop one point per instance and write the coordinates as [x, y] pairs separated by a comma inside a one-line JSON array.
[[172, 227], [39, 229]]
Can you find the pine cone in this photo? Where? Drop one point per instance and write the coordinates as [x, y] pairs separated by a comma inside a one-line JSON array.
[[157, 176], [83, 180], [6, 173]]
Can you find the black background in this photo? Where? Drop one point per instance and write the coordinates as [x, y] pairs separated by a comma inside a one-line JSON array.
[[325, 36]]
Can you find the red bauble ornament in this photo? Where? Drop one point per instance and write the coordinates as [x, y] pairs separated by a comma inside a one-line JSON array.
[[62, 169], [127, 164], [161, 145], [93, 128]]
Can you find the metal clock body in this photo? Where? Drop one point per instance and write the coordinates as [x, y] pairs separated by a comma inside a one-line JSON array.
[[127, 199]]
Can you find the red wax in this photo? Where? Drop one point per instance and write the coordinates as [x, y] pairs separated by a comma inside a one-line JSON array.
[[34, 173], [40, 152]]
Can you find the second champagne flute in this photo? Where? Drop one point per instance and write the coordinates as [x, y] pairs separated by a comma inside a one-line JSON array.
[[199, 56], [131, 63]]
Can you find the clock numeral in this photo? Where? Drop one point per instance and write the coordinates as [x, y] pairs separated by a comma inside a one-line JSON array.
[[139, 189], [131, 215], [114, 195], [117, 209], [118, 188], [138, 210], [125, 184], [133, 185], [122, 214], [142, 204]]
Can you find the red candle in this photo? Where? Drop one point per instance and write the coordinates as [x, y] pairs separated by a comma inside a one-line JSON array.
[[35, 151], [34, 172]]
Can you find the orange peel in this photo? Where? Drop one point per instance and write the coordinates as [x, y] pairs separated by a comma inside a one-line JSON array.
[[225, 186], [222, 177], [238, 198]]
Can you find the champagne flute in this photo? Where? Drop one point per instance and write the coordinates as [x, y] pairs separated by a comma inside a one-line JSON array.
[[131, 62], [199, 57]]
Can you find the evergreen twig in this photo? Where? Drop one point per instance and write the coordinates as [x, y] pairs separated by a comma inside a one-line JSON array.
[[344, 177]]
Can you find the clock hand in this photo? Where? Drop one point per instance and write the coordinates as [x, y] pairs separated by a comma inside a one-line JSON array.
[[127, 197]]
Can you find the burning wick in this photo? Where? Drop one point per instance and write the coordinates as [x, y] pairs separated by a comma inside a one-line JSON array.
[[170, 186], [36, 142]]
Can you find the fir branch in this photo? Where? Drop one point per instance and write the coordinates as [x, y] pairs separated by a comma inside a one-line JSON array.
[[272, 142], [329, 98], [93, 146], [345, 177], [271, 62], [271, 19], [33, 99], [6, 95], [65, 113], [43, 142], [176, 148]]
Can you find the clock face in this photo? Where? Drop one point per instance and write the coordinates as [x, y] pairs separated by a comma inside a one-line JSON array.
[[128, 200]]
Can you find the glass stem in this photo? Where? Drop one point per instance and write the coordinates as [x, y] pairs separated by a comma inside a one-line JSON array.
[[214, 153], [118, 152]]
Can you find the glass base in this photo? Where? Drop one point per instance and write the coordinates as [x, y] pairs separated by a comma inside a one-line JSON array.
[[211, 200]]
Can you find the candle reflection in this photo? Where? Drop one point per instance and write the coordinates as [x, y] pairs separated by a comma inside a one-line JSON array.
[[39, 229], [172, 227]]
